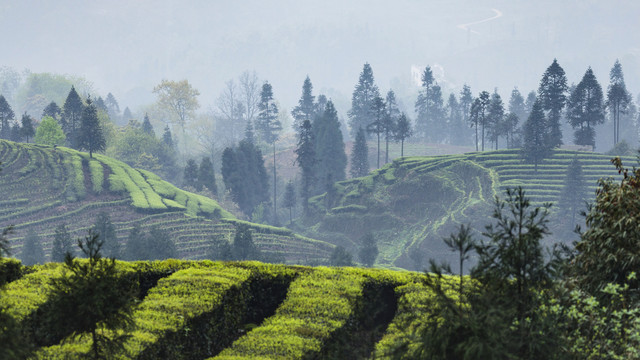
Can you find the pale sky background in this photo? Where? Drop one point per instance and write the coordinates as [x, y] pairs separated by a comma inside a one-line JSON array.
[[127, 46]]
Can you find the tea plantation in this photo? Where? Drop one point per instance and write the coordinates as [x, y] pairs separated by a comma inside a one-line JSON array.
[[44, 186], [236, 310]]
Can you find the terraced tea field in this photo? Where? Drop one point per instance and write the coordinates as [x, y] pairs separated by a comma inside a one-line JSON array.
[[245, 310], [413, 202], [43, 186]]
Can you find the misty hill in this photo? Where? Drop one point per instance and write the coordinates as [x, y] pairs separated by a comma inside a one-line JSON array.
[[413, 202], [43, 187]]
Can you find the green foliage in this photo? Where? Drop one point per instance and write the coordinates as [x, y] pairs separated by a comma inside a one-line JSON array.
[[341, 257], [243, 247], [329, 147], [536, 145], [32, 252], [368, 250], [362, 100], [190, 177], [306, 160], [49, 132], [106, 233], [585, 109], [207, 176], [62, 244], [360, 156]]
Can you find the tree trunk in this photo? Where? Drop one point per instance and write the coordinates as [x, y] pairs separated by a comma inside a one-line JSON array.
[[275, 208]]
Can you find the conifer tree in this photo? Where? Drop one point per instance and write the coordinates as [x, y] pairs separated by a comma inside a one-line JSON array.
[[243, 247], [402, 131], [466, 99], [306, 105], [368, 251], [552, 95], [535, 144], [90, 135], [73, 111], [191, 175], [147, 128], [135, 248], [306, 160], [126, 115], [159, 245], [32, 252], [360, 156], [52, 110], [106, 233], [474, 117], [340, 257], [574, 192], [423, 105], [207, 176], [495, 118], [484, 102], [269, 127], [517, 105], [26, 130], [219, 249], [6, 116], [167, 138], [586, 109], [62, 244], [528, 104], [618, 98], [390, 121], [378, 114], [364, 94], [331, 159], [289, 199], [113, 109], [457, 128]]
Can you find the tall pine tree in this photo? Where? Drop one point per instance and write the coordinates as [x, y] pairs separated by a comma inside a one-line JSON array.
[[618, 98], [377, 126], [306, 160], [6, 116], [535, 143], [552, 95], [423, 105], [495, 118], [364, 94], [402, 131], [306, 105], [360, 156], [331, 159], [73, 110], [269, 127], [26, 130], [390, 121], [207, 176], [586, 109], [90, 135]]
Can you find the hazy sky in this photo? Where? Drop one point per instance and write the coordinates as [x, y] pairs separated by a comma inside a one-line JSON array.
[[126, 47]]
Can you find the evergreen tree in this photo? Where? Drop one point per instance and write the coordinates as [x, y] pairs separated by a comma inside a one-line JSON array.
[[423, 105], [552, 95], [52, 110], [93, 299], [147, 128], [289, 199], [72, 114], [528, 104], [243, 247], [368, 251], [457, 126], [475, 117], [586, 109], [106, 232], [207, 176], [485, 100], [219, 249], [331, 159], [113, 109], [495, 118], [16, 132], [191, 175], [517, 105], [62, 244], [378, 113], [511, 130], [306, 106], [466, 99], [306, 160], [574, 193], [167, 138], [364, 94], [390, 121], [360, 156], [340, 257], [269, 127], [90, 135], [32, 252], [6, 116], [535, 144], [100, 105], [618, 98], [127, 115], [159, 245], [401, 132], [136, 246], [26, 130]]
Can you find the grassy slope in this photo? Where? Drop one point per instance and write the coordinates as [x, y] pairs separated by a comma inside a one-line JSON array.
[[43, 186], [413, 202]]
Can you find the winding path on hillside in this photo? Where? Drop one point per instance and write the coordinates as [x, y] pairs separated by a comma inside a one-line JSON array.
[[466, 27]]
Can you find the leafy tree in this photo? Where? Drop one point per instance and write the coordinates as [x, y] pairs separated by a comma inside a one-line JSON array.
[[106, 233], [32, 252], [179, 99], [26, 130], [90, 135], [269, 127], [360, 156], [289, 199], [535, 144], [618, 98], [495, 118], [243, 247], [377, 126], [340, 257], [552, 95], [191, 175], [306, 160], [362, 100], [401, 132], [368, 251], [331, 159], [52, 110], [6, 116], [147, 128], [93, 299], [220, 249], [306, 105], [586, 109], [390, 121], [49, 132], [207, 175], [73, 112], [574, 192], [62, 244], [423, 105]]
